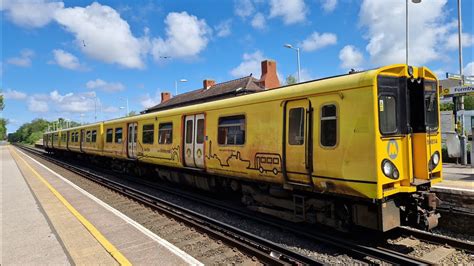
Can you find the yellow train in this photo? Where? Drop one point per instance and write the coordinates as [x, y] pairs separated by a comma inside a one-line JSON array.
[[358, 149]]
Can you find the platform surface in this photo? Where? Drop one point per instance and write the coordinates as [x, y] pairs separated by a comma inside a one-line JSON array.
[[457, 176], [46, 219], [26, 234]]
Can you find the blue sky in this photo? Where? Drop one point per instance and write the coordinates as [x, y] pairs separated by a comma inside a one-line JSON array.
[[68, 59]]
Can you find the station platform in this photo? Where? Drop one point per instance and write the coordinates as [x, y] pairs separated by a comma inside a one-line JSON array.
[[46, 219], [457, 177]]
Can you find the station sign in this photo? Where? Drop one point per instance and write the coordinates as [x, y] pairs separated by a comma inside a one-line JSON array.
[[467, 79], [458, 91]]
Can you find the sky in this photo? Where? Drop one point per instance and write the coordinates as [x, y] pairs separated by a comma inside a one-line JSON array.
[[83, 60]]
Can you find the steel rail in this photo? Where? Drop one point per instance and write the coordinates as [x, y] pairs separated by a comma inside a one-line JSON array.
[[266, 251]]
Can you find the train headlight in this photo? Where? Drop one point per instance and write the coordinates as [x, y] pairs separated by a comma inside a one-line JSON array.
[[434, 160], [389, 169]]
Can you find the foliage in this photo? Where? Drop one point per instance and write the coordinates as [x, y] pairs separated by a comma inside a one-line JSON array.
[[3, 122], [33, 131], [132, 113], [469, 103], [446, 106], [290, 80]]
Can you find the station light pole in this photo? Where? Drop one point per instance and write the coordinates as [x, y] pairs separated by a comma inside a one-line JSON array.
[[406, 26], [176, 84], [297, 49], [461, 83], [126, 101]]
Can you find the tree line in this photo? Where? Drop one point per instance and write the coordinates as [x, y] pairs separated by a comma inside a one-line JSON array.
[[30, 133]]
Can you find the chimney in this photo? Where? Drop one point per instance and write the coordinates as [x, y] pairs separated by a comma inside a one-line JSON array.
[[269, 78], [165, 96], [207, 83]]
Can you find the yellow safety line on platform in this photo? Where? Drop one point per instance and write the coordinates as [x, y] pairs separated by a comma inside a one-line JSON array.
[[116, 254]]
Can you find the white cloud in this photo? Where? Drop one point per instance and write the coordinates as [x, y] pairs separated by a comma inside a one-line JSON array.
[[243, 8], [469, 69], [69, 102], [110, 109], [66, 60], [350, 57], [38, 104], [148, 101], [258, 21], [385, 24], [452, 42], [13, 95], [30, 13], [223, 28], [251, 64], [24, 60], [317, 41], [329, 5], [186, 36], [103, 35], [291, 11], [305, 75], [100, 84]]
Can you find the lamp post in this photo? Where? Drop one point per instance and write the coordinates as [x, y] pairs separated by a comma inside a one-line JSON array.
[[406, 25], [461, 83], [176, 84], [297, 49], [126, 100]]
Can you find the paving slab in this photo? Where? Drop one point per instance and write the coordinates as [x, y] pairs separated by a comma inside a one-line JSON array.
[[27, 236]]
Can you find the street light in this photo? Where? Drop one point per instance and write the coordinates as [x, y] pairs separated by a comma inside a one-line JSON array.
[[176, 84], [126, 99], [406, 25], [297, 58]]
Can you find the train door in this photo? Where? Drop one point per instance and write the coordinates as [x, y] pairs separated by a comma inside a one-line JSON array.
[[298, 141], [194, 140], [132, 140], [82, 140]]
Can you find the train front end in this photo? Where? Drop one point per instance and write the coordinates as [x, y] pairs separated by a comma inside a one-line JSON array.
[[408, 144]]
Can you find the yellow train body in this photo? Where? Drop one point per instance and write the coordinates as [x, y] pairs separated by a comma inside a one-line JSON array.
[[350, 163]]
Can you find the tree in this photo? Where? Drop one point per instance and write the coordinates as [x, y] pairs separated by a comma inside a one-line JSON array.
[[3, 122], [469, 102], [290, 80], [446, 106]]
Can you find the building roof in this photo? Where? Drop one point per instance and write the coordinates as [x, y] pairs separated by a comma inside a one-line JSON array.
[[222, 90]]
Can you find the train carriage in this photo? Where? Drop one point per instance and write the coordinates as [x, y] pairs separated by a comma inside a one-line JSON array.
[[358, 149]]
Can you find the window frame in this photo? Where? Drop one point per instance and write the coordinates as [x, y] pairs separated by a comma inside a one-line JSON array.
[[115, 135], [147, 131], [159, 132], [328, 118], [93, 136], [107, 135], [245, 128], [304, 126], [397, 116]]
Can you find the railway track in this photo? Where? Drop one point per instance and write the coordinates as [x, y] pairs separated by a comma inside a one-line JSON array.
[[261, 249], [351, 247]]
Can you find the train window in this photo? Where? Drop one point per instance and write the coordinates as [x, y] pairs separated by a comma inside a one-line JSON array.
[[329, 125], [231, 130], [94, 136], [165, 133], [118, 135], [296, 126], [200, 131], [148, 134], [109, 137], [189, 131], [88, 136], [388, 114]]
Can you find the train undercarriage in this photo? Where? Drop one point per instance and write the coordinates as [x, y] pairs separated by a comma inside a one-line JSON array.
[[340, 212]]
